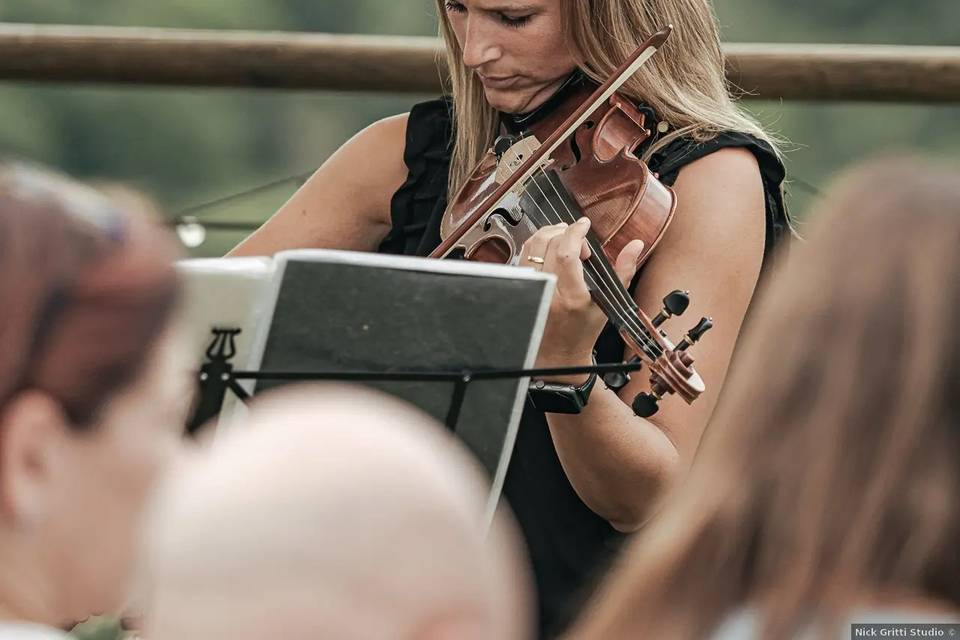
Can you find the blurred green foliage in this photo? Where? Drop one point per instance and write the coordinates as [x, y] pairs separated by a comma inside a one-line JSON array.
[[99, 628], [190, 146]]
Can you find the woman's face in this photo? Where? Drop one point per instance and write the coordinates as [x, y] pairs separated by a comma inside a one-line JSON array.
[[103, 480], [516, 48]]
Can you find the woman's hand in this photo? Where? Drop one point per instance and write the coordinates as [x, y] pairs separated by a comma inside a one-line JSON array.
[[575, 321]]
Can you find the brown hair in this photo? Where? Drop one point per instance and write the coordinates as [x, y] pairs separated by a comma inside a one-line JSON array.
[[84, 291], [830, 472]]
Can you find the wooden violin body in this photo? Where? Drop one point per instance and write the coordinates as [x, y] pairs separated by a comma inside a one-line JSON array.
[[594, 173]]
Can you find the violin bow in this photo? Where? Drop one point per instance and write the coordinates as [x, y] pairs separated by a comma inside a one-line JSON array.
[[533, 162]]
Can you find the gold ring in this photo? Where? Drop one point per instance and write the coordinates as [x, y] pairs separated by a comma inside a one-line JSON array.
[[535, 259]]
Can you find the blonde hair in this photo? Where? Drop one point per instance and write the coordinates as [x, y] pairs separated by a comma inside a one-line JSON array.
[[685, 82]]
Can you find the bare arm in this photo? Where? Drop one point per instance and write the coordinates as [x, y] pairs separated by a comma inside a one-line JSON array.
[[346, 203], [617, 462]]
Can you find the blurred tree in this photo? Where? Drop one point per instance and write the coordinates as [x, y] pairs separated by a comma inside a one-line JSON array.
[[824, 137]]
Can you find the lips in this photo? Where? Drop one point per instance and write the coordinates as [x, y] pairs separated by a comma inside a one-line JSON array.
[[497, 82]]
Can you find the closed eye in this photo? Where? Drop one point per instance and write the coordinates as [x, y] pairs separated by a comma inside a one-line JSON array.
[[509, 20], [515, 21]]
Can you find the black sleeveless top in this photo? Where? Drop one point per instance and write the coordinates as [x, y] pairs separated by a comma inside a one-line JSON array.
[[569, 545]]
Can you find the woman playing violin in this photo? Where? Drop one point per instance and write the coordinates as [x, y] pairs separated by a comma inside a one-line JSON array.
[[578, 482]]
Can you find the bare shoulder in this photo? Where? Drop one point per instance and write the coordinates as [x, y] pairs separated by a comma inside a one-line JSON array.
[[372, 160], [365, 171], [718, 231], [721, 201], [732, 173], [384, 140], [346, 203]]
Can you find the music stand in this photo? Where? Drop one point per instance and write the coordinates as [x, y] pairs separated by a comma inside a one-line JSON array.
[[224, 297], [343, 311]]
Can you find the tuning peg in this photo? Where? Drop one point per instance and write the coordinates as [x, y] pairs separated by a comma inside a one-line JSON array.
[[617, 380], [646, 404], [674, 304], [693, 336]]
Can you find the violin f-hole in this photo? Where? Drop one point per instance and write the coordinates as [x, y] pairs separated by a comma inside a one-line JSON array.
[[511, 217]]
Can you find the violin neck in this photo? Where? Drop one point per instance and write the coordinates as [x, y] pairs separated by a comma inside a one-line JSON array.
[[546, 201]]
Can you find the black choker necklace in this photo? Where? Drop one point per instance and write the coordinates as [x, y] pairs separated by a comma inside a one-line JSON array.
[[516, 123]]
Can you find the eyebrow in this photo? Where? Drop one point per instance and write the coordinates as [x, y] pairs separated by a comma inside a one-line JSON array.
[[506, 8]]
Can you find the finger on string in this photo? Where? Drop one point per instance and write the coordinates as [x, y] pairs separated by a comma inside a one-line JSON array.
[[564, 256], [585, 250], [536, 245], [628, 261], [543, 234]]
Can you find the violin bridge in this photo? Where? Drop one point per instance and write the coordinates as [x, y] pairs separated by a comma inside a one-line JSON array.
[[513, 157]]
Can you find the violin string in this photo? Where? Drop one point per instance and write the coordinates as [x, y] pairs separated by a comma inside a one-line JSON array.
[[601, 293], [615, 295], [606, 289], [604, 267], [650, 348], [603, 272], [593, 260], [596, 278], [600, 260]]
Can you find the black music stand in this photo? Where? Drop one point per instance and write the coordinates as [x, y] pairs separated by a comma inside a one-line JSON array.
[[408, 326]]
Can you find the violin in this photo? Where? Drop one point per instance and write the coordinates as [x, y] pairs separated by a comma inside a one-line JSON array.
[[579, 161]]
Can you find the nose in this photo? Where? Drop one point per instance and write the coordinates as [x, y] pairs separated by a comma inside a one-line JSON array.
[[480, 44]]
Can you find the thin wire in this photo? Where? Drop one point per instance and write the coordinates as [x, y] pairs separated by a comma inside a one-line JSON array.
[[596, 259], [799, 182], [805, 186], [301, 178], [214, 225]]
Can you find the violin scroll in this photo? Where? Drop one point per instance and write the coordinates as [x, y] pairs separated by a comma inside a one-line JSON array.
[[672, 371]]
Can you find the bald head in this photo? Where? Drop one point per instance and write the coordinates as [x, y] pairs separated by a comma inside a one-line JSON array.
[[334, 513]]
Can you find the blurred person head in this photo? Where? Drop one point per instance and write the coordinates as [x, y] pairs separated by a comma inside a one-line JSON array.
[[333, 513], [828, 480], [513, 55], [89, 378]]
